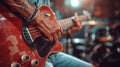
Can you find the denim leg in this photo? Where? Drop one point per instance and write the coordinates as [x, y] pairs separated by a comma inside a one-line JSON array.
[[49, 64], [65, 60]]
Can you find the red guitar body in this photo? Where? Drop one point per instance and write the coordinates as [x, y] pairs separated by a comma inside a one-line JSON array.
[[14, 51]]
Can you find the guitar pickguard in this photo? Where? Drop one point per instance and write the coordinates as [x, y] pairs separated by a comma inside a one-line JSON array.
[[41, 44]]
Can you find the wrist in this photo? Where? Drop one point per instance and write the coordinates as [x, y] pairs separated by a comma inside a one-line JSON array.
[[33, 14]]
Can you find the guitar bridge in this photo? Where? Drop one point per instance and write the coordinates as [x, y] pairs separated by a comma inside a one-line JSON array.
[[26, 35]]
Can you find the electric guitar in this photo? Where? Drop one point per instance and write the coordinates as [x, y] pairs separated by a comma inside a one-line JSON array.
[[22, 44]]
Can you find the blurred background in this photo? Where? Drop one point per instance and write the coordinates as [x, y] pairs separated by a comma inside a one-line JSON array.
[[100, 35]]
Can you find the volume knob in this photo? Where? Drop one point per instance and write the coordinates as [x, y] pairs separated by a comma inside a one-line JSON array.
[[15, 64], [34, 62], [25, 58]]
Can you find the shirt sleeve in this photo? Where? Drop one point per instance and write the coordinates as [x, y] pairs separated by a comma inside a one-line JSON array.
[[21, 7]]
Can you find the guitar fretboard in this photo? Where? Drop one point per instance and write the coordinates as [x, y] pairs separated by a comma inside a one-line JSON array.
[[67, 23]]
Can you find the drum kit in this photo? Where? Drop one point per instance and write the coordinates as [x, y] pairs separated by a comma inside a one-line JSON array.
[[98, 46], [106, 41]]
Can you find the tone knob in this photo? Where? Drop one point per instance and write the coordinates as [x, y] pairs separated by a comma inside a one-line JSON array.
[[34, 62], [15, 64], [25, 58]]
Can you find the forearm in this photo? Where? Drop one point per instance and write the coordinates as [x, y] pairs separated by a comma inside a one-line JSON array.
[[22, 7]]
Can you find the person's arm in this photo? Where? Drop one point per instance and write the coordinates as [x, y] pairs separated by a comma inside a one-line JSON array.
[[23, 7], [51, 30]]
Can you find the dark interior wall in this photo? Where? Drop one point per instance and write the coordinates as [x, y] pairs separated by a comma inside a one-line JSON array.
[[109, 6]]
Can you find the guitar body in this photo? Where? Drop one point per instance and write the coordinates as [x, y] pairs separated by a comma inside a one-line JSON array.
[[14, 50]]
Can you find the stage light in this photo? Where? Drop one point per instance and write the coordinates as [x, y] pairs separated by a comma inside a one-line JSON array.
[[76, 40], [75, 3]]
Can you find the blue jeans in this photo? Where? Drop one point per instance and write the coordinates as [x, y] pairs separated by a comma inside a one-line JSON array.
[[64, 60]]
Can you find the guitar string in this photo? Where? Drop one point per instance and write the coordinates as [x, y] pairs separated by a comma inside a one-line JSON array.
[[64, 23], [33, 35]]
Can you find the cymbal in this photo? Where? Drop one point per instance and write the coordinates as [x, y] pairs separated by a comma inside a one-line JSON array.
[[106, 38], [94, 23]]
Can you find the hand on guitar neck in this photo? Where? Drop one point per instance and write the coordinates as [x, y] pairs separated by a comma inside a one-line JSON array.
[[76, 27]]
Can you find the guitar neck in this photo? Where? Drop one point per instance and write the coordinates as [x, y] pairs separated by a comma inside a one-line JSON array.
[[68, 22]]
